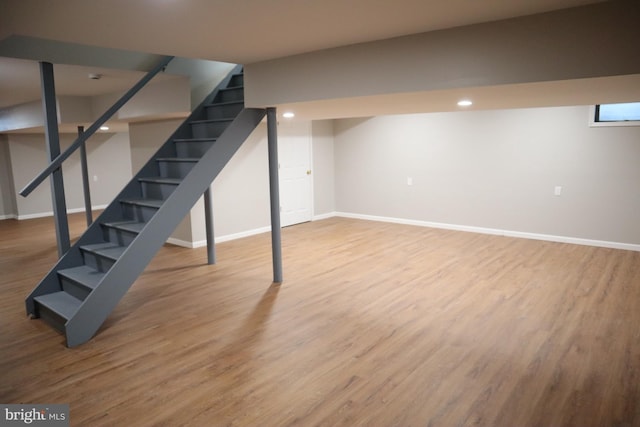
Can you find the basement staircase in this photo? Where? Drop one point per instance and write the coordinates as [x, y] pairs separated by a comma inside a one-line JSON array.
[[86, 284]]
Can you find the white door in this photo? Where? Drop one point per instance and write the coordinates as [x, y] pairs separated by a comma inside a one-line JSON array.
[[294, 156]]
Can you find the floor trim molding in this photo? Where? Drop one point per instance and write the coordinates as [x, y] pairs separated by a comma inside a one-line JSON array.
[[220, 239], [494, 231], [50, 213]]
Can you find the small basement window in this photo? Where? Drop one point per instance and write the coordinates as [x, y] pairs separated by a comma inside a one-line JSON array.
[[625, 114]]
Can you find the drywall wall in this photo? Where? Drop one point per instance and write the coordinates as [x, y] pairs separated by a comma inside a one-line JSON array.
[[323, 167], [7, 192], [241, 190], [109, 167], [146, 138], [494, 170], [203, 75], [22, 116], [73, 109], [590, 41], [166, 97]]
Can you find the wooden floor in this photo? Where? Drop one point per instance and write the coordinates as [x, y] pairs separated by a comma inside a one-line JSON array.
[[375, 325]]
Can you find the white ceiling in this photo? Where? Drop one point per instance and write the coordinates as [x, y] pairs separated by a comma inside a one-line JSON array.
[[238, 31]]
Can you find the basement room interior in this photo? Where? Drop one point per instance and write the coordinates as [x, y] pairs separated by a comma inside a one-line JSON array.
[[407, 213]]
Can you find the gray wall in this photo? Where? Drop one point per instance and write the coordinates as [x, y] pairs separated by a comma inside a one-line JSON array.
[[203, 75], [494, 170], [109, 165], [241, 190], [160, 99], [323, 167], [146, 138], [7, 192]]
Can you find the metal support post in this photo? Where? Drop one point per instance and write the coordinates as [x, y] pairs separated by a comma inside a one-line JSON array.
[[53, 150], [274, 190], [208, 219], [85, 178]]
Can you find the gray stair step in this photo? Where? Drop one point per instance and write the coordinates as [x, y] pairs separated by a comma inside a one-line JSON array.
[[193, 147], [83, 275], [140, 210], [107, 250], [158, 187], [131, 226], [149, 203], [231, 93], [102, 256], [61, 303], [178, 159], [176, 167], [161, 180], [210, 121], [195, 139], [223, 109], [224, 103], [80, 281], [209, 128], [237, 79], [119, 233]]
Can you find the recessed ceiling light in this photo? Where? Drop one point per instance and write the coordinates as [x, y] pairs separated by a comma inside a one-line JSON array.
[[288, 115], [465, 103], [104, 127]]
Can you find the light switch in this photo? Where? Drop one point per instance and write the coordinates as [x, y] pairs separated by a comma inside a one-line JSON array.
[[557, 190], [409, 180]]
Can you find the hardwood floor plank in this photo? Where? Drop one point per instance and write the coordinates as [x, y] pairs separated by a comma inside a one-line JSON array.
[[375, 325]]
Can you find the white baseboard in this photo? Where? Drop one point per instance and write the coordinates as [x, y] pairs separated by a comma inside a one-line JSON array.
[[242, 234], [497, 232], [220, 239], [323, 216], [445, 226], [179, 242], [10, 216], [50, 213]]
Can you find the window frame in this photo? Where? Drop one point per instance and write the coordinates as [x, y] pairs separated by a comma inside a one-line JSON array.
[[593, 112]]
